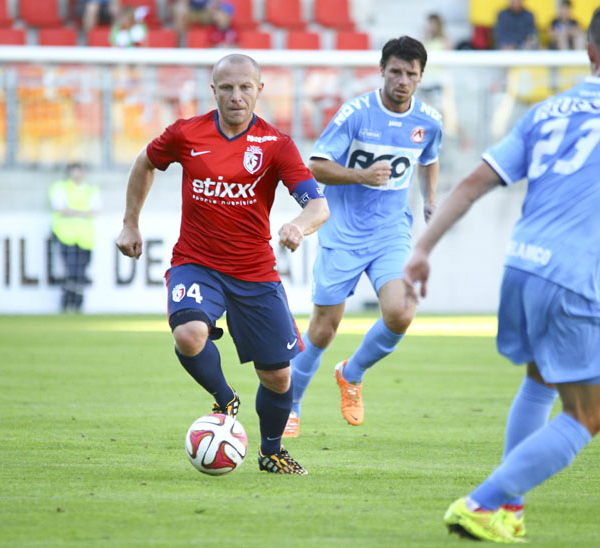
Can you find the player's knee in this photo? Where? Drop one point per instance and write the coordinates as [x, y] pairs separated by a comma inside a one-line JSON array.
[[190, 338], [322, 334], [278, 381], [398, 319]]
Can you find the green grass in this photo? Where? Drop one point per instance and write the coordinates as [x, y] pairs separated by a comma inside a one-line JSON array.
[[92, 426]]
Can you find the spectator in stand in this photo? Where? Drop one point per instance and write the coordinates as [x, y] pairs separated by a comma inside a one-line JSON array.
[[515, 28], [565, 32], [96, 12], [129, 29], [435, 38], [189, 12], [222, 33]]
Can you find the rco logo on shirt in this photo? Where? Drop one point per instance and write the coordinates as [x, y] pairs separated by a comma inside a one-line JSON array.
[[362, 155]]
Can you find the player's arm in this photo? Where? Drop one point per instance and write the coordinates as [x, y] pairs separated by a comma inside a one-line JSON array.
[[331, 173], [315, 212], [141, 177], [470, 189], [428, 180]]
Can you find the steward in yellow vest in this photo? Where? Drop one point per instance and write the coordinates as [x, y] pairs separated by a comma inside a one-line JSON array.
[[74, 205]]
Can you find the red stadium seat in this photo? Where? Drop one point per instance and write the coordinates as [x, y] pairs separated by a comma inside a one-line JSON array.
[[198, 37], [346, 39], [334, 14], [162, 38], [5, 17], [286, 14], [298, 39], [99, 37], [243, 15], [13, 37], [61, 36], [252, 39], [40, 14]]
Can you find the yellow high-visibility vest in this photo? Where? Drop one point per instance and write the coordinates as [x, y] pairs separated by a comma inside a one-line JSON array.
[[73, 230]]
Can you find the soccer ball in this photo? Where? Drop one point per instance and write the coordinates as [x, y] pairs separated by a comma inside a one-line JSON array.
[[216, 444]]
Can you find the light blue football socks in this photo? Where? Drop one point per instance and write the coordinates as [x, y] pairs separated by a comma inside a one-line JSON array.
[[529, 412], [378, 342], [304, 367], [540, 456]]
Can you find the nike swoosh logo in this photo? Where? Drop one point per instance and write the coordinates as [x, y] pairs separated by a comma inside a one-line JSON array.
[[274, 439], [194, 153], [291, 345]]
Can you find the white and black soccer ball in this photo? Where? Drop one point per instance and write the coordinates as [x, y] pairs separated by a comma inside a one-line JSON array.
[[216, 444]]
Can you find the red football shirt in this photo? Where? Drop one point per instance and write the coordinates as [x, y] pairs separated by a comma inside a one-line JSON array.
[[228, 187]]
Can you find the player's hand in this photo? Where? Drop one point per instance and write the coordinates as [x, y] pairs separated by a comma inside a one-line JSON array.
[[129, 242], [378, 173], [290, 236], [416, 270], [428, 211]]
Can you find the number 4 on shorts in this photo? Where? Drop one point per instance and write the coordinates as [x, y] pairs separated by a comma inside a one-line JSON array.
[[194, 293]]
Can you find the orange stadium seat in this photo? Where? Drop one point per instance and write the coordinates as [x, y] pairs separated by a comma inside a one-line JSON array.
[[334, 14], [13, 37], [346, 39], [40, 14], [298, 39], [243, 15], [162, 38], [57, 36], [252, 39], [285, 14], [99, 37]]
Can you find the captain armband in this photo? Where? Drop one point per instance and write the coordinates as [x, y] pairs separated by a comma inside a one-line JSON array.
[[306, 191]]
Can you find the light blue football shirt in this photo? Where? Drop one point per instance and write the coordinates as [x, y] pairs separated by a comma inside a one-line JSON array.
[[362, 132], [556, 145]]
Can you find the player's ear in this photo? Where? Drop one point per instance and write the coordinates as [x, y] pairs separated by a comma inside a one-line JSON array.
[[261, 85]]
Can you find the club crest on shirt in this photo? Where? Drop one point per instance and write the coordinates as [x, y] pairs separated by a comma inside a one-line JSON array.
[[178, 292], [417, 135], [253, 158]]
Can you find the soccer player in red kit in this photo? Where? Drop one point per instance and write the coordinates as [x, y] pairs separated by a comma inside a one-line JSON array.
[[232, 162]]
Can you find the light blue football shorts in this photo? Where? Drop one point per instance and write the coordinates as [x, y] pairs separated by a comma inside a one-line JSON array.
[[554, 327], [336, 271]]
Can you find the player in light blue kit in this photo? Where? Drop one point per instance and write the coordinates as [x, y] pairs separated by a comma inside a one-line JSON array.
[[366, 157], [549, 315]]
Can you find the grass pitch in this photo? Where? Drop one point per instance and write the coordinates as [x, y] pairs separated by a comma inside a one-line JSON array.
[[94, 410]]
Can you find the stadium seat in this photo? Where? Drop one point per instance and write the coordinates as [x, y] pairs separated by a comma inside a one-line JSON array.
[[162, 38], [5, 17], [252, 39], [99, 37], [198, 37], [298, 39], [60, 36], [40, 14], [333, 14], [13, 37], [529, 84], [285, 14], [243, 15], [346, 39]]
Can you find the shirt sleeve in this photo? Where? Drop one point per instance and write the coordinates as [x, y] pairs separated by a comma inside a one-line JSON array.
[[290, 167], [508, 158], [431, 152], [164, 150]]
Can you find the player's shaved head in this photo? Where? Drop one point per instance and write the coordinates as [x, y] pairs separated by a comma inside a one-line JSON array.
[[237, 59]]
